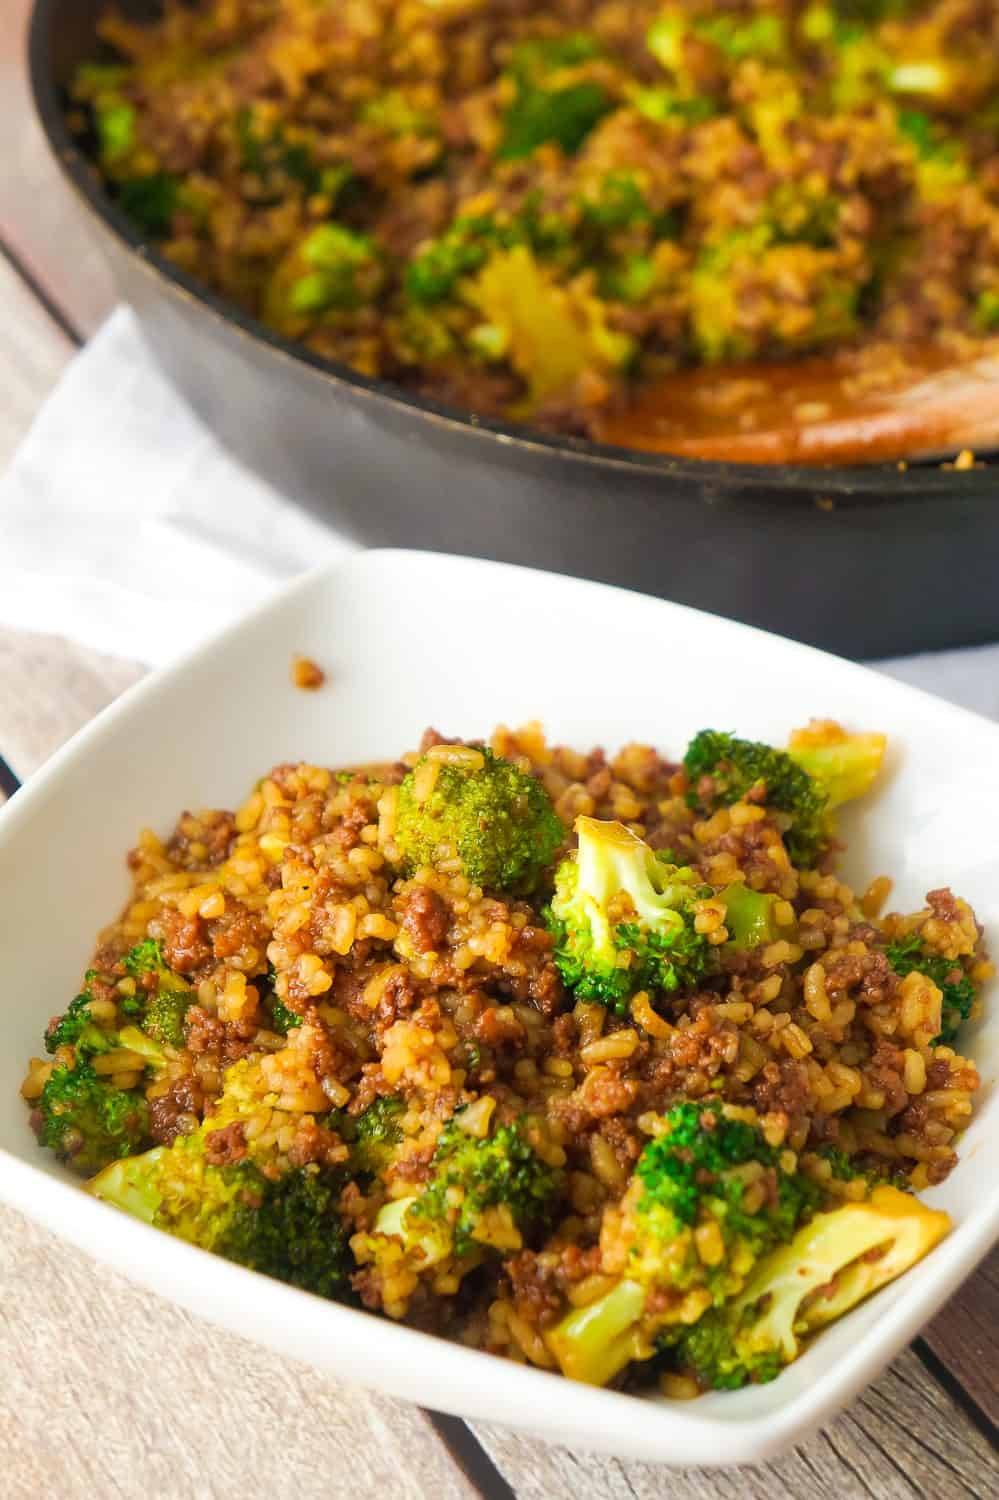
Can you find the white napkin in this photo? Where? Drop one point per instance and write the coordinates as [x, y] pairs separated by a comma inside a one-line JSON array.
[[125, 526]]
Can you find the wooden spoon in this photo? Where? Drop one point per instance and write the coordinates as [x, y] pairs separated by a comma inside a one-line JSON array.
[[874, 405]]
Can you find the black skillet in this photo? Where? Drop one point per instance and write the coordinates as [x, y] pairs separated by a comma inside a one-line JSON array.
[[864, 561]]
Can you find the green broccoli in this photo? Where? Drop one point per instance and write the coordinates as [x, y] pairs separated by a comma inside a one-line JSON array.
[[439, 265], [722, 769], [288, 1227], [666, 104], [333, 269], [374, 1135], [829, 1266], [144, 958], [485, 1193], [165, 1014], [550, 104], [166, 1007], [628, 280], [269, 154], [473, 1175], [396, 114], [908, 954], [986, 314], [844, 765], [435, 270], [114, 120], [840, 1164], [86, 1121], [76, 1027], [749, 916], [283, 1018], [151, 201], [623, 920], [478, 810], [738, 37], [618, 202], [709, 1197]]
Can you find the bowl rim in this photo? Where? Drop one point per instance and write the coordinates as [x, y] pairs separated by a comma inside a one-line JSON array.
[[881, 484]]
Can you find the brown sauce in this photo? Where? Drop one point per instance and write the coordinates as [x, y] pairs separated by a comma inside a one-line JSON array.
[[853, 407]]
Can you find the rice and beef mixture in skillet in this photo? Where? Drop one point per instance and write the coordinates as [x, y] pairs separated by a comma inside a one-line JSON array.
[[540, 212], [561, 1055]]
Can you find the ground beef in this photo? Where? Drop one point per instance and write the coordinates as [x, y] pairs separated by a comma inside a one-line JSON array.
[[225, 1146], [425, 918], [176, 1112], [782, 1087], [185, 948]]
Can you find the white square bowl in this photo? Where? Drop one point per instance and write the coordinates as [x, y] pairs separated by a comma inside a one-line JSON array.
[[411, 639]]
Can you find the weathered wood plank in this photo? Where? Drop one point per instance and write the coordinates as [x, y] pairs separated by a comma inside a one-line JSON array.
[[106, 1391], [50, 688], [33, 353], [965, 1338], [39, 219], [903, 1438]]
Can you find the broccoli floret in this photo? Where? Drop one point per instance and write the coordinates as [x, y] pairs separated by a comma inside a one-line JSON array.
[[628, 280], [114, 120], [546, 108], [270, 153], [473, 1176], [434, 271], [623, 920], [376, 1134], [708, 1198], [840, 1164], [722, 769], [486, 1194], [151, 201], [283, 1018], [395, 113], [665, 104], [165, 1016], [145, 958], [843, 765], [165, 1007], [749, 916], [333, 269], [288, 1228], [86, 1121], [495, 820], [617, 203], [986, 314], [829, 1266], [738, 37], [75, 1028], [909, 954]]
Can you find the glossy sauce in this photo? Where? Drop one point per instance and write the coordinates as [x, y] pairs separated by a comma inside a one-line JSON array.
[[837, 409]]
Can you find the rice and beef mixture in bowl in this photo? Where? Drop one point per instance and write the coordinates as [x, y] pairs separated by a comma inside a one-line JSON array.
[[591, 1062], [543, 215]]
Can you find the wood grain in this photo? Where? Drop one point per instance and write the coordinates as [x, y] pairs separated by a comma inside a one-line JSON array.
[[904, 1437], [107, 1391], [40, 221], [33, 354], [50, 688], [965, 1338]]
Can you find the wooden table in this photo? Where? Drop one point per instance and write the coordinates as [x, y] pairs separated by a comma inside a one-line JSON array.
[[108, 1391]]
